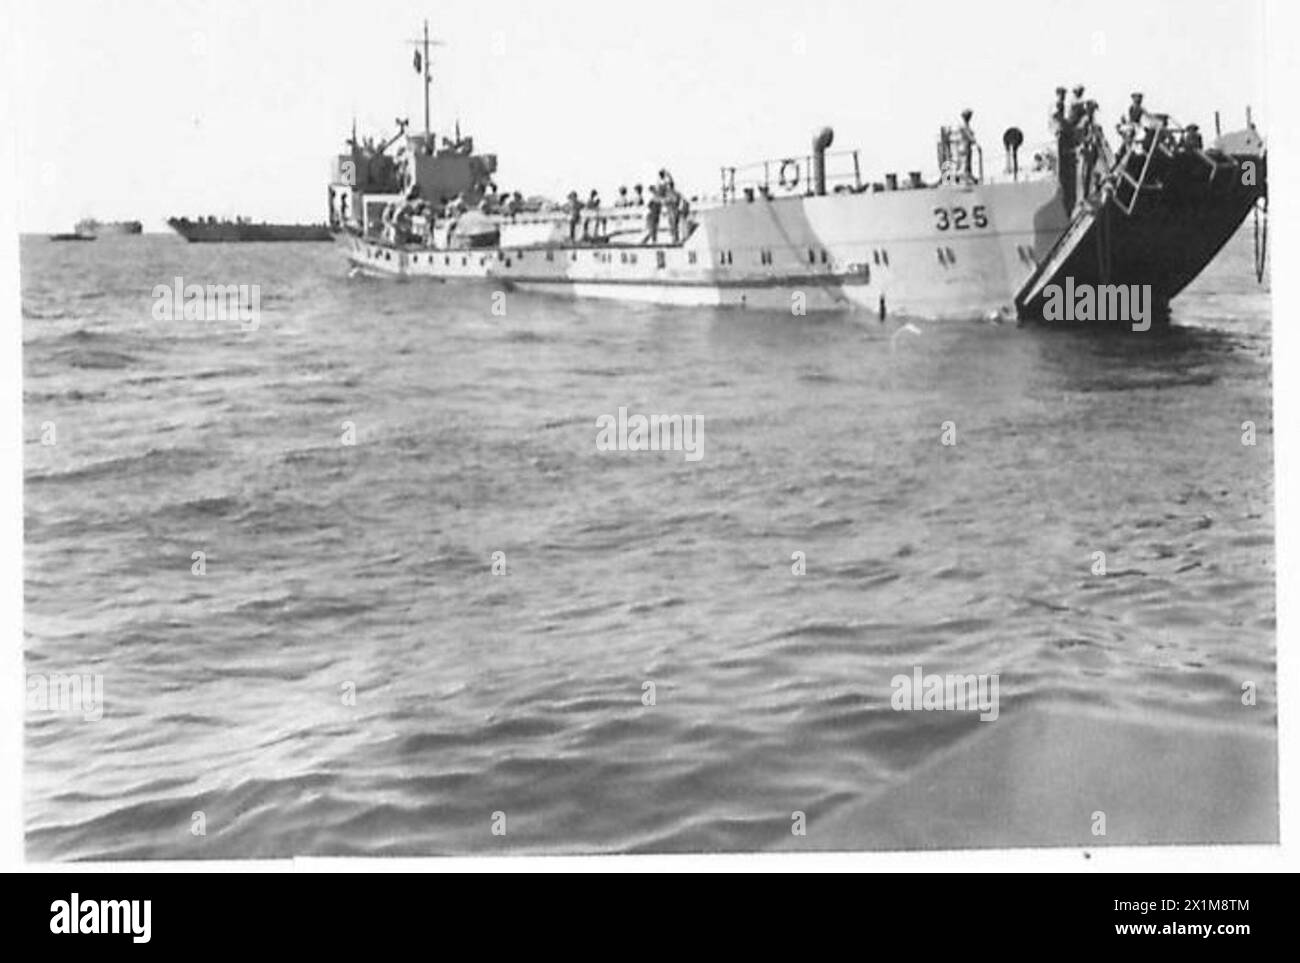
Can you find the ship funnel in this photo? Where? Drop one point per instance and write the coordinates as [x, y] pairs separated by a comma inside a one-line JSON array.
[[1012, 138], [819, 145]]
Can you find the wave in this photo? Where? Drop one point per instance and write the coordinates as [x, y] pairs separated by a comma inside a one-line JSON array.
[[155, 462]]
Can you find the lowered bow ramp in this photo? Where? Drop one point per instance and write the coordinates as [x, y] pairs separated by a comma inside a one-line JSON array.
[[1157, 219]]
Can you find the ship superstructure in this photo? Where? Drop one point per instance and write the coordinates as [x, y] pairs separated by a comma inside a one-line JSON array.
[[372, 177]]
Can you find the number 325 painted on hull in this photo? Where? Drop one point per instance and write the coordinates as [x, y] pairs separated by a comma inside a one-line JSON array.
[[957, 218]]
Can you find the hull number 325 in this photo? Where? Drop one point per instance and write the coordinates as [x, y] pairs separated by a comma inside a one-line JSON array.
[[960, 219]]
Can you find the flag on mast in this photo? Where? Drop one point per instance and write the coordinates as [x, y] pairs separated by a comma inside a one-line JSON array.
[[419, 63]]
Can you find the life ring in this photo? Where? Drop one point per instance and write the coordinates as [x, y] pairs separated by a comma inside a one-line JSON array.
[[785, 180]]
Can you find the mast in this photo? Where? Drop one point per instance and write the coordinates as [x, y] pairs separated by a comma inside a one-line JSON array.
[[426, 86], [422, 67]]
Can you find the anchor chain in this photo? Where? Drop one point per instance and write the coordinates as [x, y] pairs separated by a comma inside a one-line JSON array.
[[1261, 237]]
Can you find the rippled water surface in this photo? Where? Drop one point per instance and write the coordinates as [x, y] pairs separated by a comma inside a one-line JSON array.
[[334, 568]]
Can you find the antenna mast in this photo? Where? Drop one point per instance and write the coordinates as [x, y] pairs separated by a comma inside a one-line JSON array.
[[426, 85], [422, 66]]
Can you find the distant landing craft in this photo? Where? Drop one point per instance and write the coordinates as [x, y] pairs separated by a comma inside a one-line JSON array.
[[807, 231], [101, 228], [211, 230]]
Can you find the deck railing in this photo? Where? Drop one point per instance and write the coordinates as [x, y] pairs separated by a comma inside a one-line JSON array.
[[790, 176]]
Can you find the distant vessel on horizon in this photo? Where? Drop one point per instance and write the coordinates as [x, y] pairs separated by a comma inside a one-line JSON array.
[[211, 230], [89, 225], [88, 229]]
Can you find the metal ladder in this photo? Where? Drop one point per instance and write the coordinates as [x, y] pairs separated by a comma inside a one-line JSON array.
[[1121, 188], [1135, 184]]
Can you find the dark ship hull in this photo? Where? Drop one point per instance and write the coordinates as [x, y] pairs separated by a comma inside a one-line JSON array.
[[1159, 220], [227, 232]]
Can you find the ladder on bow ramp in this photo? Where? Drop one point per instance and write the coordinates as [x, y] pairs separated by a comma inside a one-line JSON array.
[[1086, 239], [1127, 182]]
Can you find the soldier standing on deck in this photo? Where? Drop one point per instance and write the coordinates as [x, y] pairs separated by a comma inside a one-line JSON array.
[[671, 202], [1137, 113], [594, 226], [1058, 113], [1078, 107], [966, 143], [1089, 150], [652, 218], [575, 214], [1134, 119], [1066, 158]]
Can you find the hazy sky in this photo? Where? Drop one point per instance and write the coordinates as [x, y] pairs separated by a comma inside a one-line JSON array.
[[146, 108]]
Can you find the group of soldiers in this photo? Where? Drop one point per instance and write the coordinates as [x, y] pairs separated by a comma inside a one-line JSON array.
[[588, 219], [501, 202], [1081, 142], [399, 218], [588, 222], [1138, 118]]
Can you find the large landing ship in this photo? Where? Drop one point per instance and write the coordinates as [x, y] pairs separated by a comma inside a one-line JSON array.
[[211, 230], [808, 232]]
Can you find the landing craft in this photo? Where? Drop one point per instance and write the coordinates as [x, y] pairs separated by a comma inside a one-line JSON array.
[[210, 230], [808, 232], [90, 225]]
